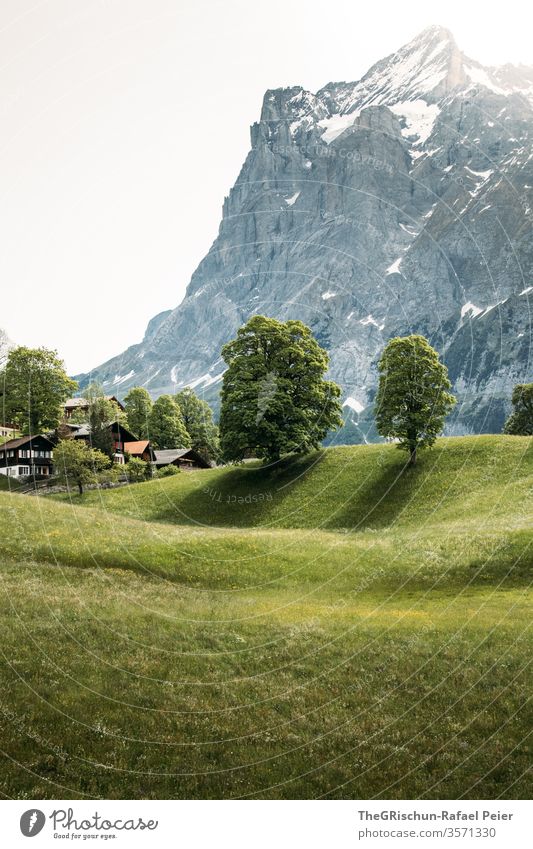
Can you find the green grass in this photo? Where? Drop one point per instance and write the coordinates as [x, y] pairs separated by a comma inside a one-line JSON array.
[[341, 488], [8, 484], [361, 633]]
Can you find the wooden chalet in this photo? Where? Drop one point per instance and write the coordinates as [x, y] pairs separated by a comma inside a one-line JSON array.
[[141, 449], [8, 431], [121, 436], [184, 458], [74, 405], [29, 456]]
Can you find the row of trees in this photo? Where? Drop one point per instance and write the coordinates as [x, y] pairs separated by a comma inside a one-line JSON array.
[[182, 420], [34, 387], [275, 399]]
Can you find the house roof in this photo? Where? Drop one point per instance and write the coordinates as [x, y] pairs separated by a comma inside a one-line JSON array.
[[84, 430], [76, 402], [24, 440], [72, 403], [169, 455], [138, 447]]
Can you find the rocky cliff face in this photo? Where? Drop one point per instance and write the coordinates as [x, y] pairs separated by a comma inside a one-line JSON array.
[[396, 204]]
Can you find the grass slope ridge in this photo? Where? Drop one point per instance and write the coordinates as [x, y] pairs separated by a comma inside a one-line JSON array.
[[350, 487], [159, 659]]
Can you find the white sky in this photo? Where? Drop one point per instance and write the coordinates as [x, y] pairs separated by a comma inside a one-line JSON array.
[[124, 124]]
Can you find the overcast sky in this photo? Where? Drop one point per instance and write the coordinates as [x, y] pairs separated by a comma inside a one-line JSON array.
[[124, 124]]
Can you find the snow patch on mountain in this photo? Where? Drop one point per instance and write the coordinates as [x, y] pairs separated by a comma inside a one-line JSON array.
[[354, 404], [395, 267], [337, 124], [470, 309], [419, 118]]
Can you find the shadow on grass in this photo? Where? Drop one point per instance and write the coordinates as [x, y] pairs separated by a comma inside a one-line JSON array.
[[258, 496], [246, 496], [378, 500]]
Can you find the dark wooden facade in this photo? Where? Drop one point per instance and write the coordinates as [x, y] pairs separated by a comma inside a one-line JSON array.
[[121, 435], [29, 456]]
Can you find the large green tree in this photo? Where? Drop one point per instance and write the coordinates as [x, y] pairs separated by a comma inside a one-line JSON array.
[[138, 406], [274, 397], [35, 387], [198, 419], [166, 427], [520, 422], [76, 463], [413, 399]]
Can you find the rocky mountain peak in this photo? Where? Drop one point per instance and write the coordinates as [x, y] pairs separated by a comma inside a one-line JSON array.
[[401, 202]]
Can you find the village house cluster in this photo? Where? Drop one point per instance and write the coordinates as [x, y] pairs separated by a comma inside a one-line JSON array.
[[33, 456]]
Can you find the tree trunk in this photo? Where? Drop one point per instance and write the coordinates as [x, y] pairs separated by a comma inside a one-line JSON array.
[[412, 456], [80, 488]]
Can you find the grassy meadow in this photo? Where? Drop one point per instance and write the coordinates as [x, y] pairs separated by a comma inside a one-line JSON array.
[[337, 627]]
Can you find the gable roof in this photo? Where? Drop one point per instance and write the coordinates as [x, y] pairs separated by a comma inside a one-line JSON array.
[[83, 431], [138, 447], [24, 440], [73, 403], [169, 455]]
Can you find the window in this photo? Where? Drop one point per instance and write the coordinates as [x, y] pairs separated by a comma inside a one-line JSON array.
[[24, 471]]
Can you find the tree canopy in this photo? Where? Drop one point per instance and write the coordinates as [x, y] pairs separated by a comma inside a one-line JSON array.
[[35, 387], [274, 397], [520, 422], [198, 420], [166, 427], [413, 399], [138, 406], [76, 463], [100, 414]]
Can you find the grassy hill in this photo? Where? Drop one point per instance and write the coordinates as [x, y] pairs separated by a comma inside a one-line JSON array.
[[348, 487], [357, 631]]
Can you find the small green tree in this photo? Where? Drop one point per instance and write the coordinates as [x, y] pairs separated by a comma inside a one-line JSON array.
[[413, 399], [274, 397], [198, 420], [76, 463], [136, 470], [101, 413], [166, 427], [520, 422], [35, 386], [138, 406]]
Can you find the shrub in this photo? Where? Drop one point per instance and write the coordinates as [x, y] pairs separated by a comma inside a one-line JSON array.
[[168, 471]]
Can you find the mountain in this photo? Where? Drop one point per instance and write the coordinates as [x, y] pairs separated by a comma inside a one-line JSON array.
[[399, 203]]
